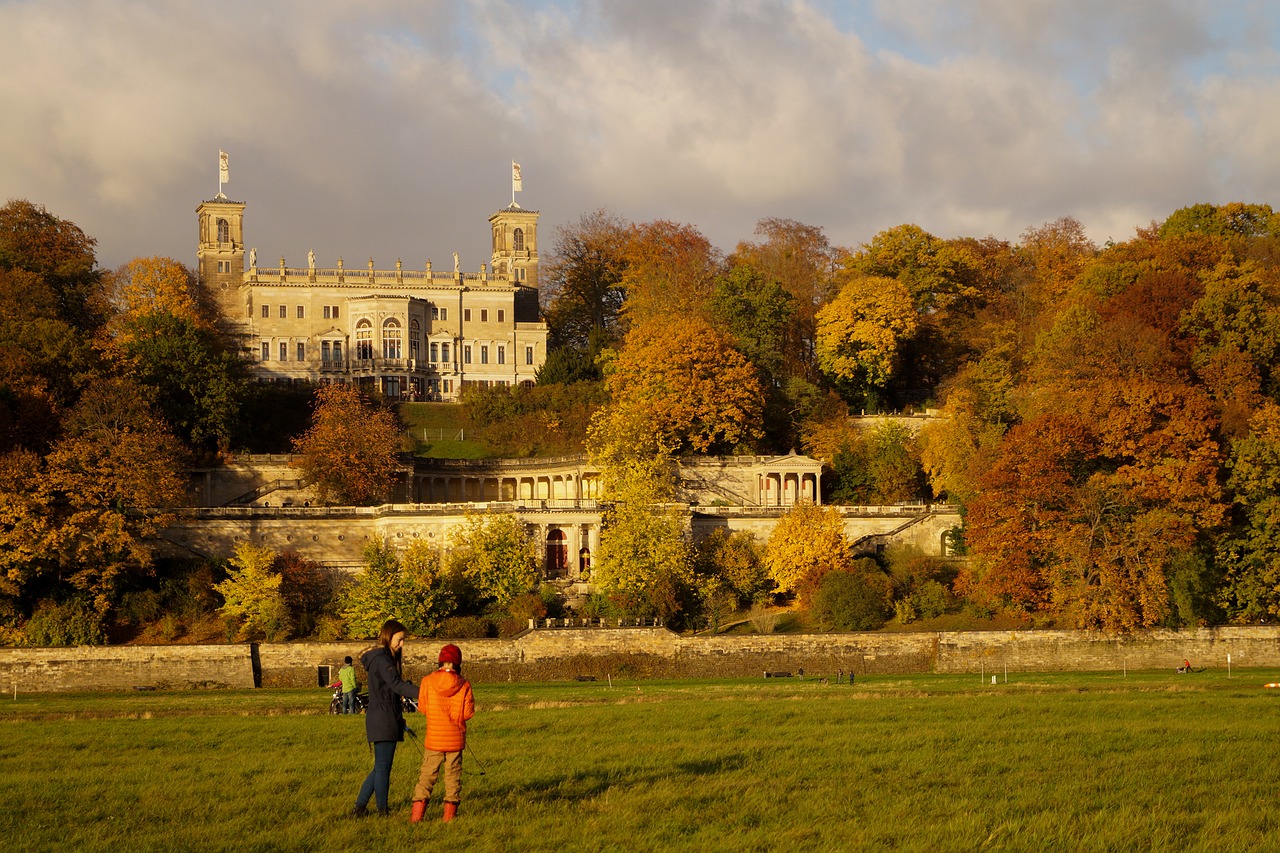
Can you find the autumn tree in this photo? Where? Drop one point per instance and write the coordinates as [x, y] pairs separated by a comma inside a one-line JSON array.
[[1250, 555], [806, 543], [581, 280], [677, 386], [110, 481], [1233, 220], [349, 452], [198, 384], [252, 601], [938, 274], [671, 272], [307, 587], [58, 277], [1054, 254], [496, 554], [1023, 502], [799, 259], [860, 332], [644, 560], [736, 560], [412, 587], [156, 285], [50, 308]]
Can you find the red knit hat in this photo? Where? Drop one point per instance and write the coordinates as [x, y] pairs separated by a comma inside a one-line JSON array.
[[451, 654]]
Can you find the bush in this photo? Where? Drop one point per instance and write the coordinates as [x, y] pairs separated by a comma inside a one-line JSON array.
[[330, 628], [857, 599], [466, 628], [72, 623]]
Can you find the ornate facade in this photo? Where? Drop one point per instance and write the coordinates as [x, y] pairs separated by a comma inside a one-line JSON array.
[[415, 334]]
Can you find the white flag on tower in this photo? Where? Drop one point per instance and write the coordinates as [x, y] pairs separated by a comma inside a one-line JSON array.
[[224, 170], [515, 177]]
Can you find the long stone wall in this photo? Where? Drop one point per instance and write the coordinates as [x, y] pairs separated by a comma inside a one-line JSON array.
[[568, 653], [96, 668]]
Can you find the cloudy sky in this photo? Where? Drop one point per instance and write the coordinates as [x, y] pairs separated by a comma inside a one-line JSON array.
[[387, 127]]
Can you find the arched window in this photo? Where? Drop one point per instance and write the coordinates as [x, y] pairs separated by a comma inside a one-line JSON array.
[[517, 240], [364, 340], [224, 231], [391, 339], [557, 554]]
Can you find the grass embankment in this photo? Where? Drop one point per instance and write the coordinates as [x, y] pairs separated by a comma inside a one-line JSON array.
[[440, 429], [1154, 761]]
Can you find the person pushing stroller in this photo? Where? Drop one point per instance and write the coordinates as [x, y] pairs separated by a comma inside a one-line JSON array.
[[445, 698]]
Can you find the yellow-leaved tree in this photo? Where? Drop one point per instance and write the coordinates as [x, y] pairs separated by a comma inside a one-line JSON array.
[[806, 543], [253, 604], [861, 330]]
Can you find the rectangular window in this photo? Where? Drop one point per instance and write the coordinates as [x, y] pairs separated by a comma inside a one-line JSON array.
[[326, 312], [484, 315], [300, 314], [444, 313], [521, 272], [502, 355], [266, 310], [444, 353], [284, 351], [302, 352], [466, 314], [484, 355], [528, 355], [337, 350], [324, 350], [266, 350], [435, 313], [435, 351], [335, 312], [502, 316], [284, 311], [448, 386], [466, 355]]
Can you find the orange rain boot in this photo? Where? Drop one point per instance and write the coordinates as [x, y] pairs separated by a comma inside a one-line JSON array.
[[419, 809], [450, 811]]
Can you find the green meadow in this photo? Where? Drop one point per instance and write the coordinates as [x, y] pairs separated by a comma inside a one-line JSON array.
[[1147, 761]]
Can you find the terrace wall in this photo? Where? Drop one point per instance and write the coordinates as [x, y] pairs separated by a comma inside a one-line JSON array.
[[566, 653]]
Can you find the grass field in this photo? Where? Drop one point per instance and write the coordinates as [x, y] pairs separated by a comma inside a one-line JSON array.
[[1151, 761]]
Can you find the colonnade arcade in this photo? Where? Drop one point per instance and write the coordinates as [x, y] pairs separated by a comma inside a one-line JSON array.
[[458, 487]]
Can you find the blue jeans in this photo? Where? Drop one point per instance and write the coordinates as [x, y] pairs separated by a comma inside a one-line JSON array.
[[349, 702], [378, 782]]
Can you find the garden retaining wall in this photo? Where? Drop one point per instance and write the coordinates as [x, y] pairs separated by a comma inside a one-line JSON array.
[[567, 653]]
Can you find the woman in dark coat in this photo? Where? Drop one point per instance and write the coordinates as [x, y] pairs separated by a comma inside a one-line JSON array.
[[383, 720]]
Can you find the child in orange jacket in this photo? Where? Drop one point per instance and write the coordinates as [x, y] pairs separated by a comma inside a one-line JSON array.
[[445, 697]]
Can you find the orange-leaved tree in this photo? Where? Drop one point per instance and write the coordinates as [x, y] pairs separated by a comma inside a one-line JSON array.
[[349, 452], [678, 386]]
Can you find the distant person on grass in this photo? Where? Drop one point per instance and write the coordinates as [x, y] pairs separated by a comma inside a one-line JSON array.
[[384, 720], [347, 675], [445, 697]]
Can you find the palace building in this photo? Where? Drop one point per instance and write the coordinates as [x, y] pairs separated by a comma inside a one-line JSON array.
[[414, 334]]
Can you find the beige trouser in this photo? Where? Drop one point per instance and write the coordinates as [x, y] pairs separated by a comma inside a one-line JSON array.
[[431, 761]]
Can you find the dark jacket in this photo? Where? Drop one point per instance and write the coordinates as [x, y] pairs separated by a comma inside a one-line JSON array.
[[384, 720]]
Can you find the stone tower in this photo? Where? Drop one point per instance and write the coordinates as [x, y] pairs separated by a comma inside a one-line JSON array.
[[515, 244], [220, 253]]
